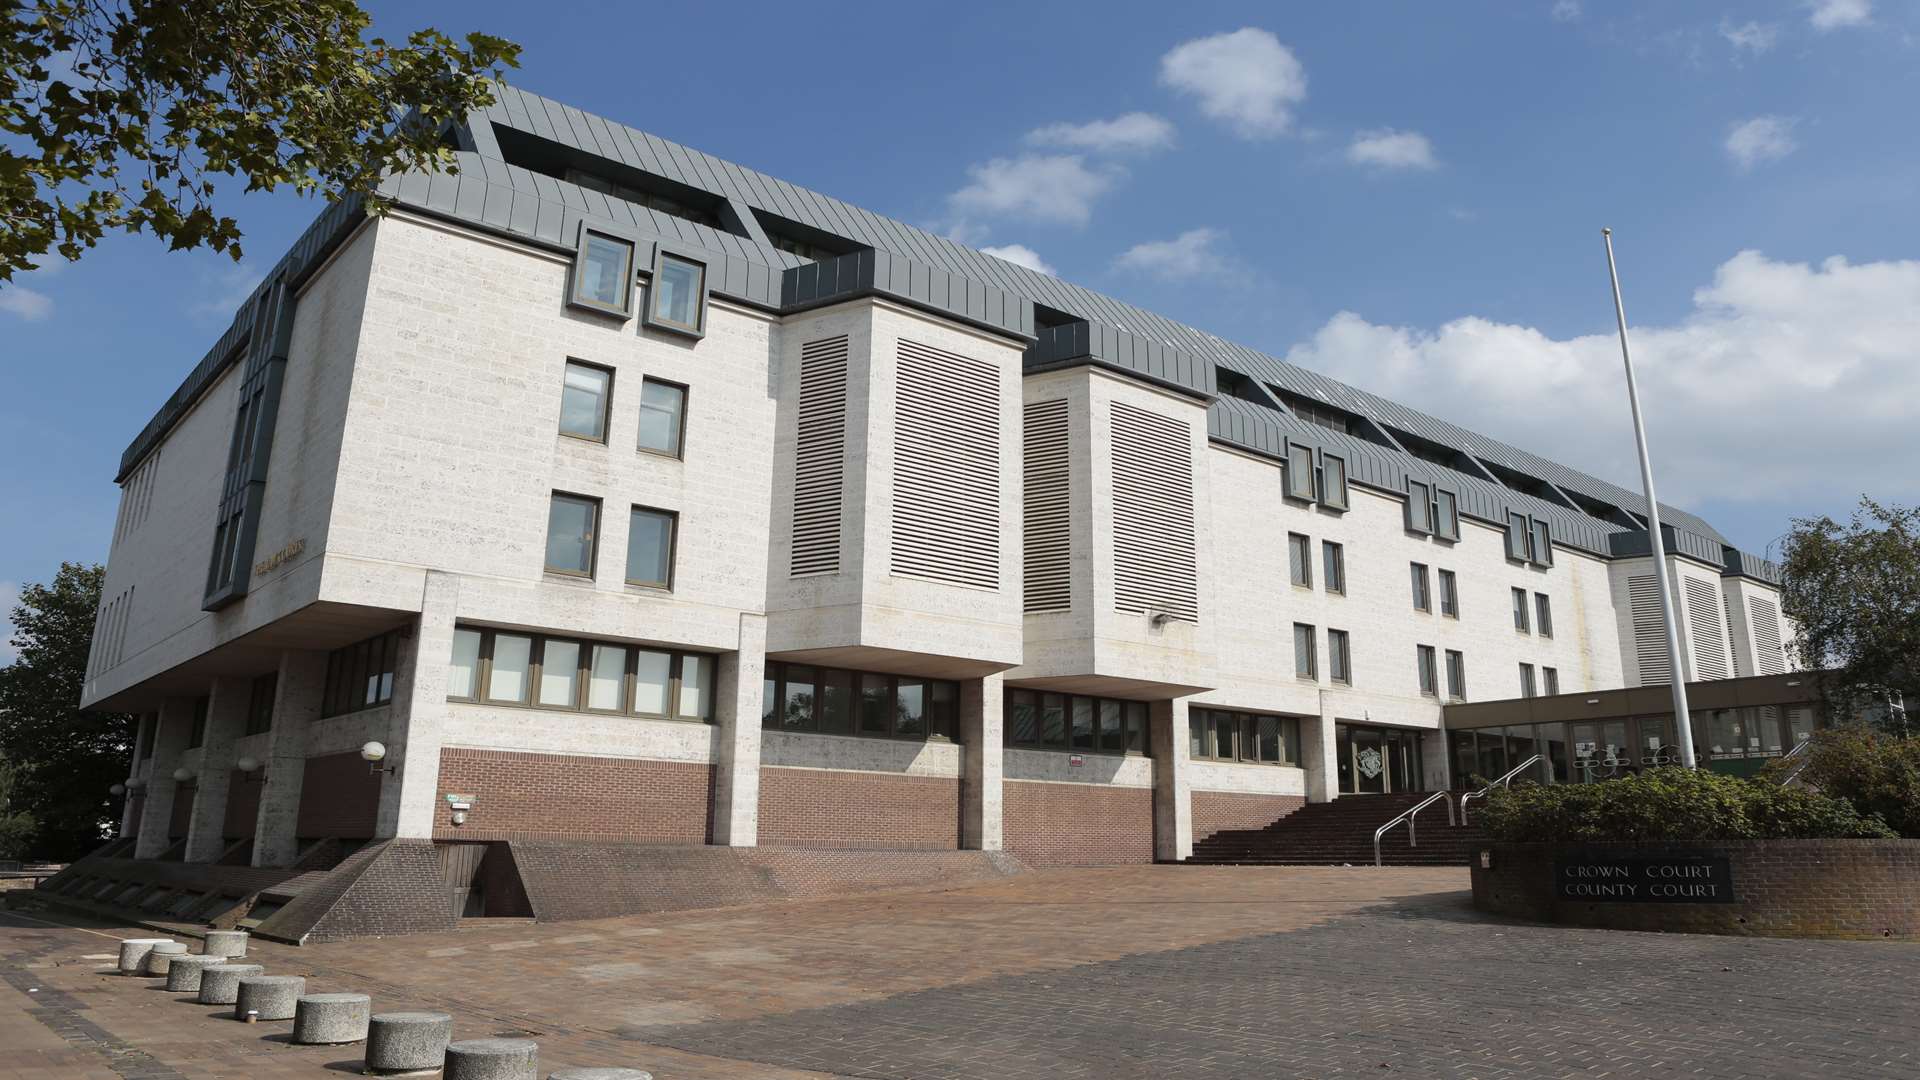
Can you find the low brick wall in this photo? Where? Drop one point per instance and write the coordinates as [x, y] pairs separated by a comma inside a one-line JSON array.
[[1217, 810], [1781, 888], [848, 809], [1051, 824], [521, 796]]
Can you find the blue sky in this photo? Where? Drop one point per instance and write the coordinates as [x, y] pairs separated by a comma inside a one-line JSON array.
[[1406, 196]]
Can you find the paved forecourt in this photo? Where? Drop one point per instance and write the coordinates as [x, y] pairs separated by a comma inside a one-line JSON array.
[[1124, 972]]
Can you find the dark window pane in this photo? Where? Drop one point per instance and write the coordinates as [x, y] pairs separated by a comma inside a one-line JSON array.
[[796, 711], [1137, 726], [836, 702], [943, 709], [769, 701], [910, 708], [1053, 720], [875, 702], [1083, 723], [1113, 731], [1198, 744], [1223, 733], [1023, 725]]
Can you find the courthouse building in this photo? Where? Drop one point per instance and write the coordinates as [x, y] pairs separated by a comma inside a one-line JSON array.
[[631, 499]]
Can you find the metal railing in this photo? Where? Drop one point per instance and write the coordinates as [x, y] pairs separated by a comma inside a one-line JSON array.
[[1792, 773], [1503, 780], [1438, 796]]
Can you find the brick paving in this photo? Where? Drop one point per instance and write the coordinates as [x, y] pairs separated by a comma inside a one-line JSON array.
[[1119, 972]]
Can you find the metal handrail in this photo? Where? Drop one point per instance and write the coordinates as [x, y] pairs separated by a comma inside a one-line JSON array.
[[1438, 796], [1793, 772], [1504, 779]]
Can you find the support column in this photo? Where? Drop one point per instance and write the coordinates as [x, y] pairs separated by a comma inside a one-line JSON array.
[[1319, 750], [410, 793], [1172, 793], [982, 744], [136, 799], [738, 689], [171, 733], [296, 705], [226, 719]]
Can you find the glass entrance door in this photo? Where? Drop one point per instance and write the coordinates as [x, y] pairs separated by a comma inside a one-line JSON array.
[[1375, 761], [1600, 750]]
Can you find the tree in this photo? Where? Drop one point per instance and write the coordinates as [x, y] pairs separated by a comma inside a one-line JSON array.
[[121, 113], [1853, 591], [63, 760], [16, 826]]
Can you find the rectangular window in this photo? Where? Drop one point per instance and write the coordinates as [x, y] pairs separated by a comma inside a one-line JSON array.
[[678, 295], [1333, 559], [1419, 507], [876, 702], [1304, 665], [663, 416], [650, 547], [1300, 559], [260, 703], [1300, 472], [1449, 595], [198, 734], [1254, 738], [1520, 610], [943, 709], [1446, 514], [1333, 482], [607, 679], [652, 674], [585, 391], [1071, 722], [1527, 688], [1422, 596], [1517, 536], [510, 668], [836, 702], [1543, 614], [794, 696], [696, 687], [1423, 658], [1339, 661], [1542, 544], [572, 521], [1456, 675], [360, 675], [1080, 719], [603, 272], [1551, 677], [463, 671], [559, 675]]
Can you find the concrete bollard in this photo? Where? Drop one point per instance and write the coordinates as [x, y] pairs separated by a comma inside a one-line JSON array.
[[228, 943], [183, 972], [220, 983], [268, 997], [493, 1059], [161, 955], [331, 1018], [408, 1041], [133, 954], [599, 1074]]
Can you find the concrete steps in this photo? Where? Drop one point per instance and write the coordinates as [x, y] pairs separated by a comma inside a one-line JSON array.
[[1340, 833]]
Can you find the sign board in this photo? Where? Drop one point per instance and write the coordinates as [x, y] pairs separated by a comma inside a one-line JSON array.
[[1644, 879], [1076, 760]]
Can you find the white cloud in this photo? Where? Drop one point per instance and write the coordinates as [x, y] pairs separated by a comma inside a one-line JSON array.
[[1772, 354], [1194, 253], [1385, 148], [19, 300], [1246, 79], [9, 596], [1057, 188], [1751, 37], [1761, 139], [1134, 132], [1566, 10], [1834, 14], [224, 288], [1020, 255]]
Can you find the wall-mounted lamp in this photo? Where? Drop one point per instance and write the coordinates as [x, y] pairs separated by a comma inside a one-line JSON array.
[[1593, 701], [136, 783], [182, 774], [250, 770], [1793, 682], [117, 790], [373, 752]]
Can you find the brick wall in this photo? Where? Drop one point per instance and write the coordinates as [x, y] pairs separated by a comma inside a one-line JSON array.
[[821, 808], [574, 797], [1782, 888], [1216, 810], [243, 805], [1077, 824], [339, 796]]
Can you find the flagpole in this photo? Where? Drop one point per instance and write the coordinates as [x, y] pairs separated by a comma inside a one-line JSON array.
[[1682, 719]]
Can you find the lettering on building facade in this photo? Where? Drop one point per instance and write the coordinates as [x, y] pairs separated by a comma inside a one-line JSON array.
[[1644, 879], [280, 558]]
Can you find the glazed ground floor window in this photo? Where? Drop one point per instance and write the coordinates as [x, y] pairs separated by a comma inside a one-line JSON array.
[[1260, 738], [560, 672], [1044, 721], [835, 701]]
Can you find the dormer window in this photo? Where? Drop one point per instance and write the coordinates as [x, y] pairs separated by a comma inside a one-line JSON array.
[[603, 273], [677, 300]]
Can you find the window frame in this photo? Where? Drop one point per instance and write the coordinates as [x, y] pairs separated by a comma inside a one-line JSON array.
[[1331, 498], [1522, 618], [606, 402], [261, 693], [1299, 479], [679, 452], [1519, 544], [1549, 681], [650, 313], [1420, 495], [1312, 672], [1456, 662], [1339, 657], [1449, 594], [1540, 542], [1529, 688], [1333, 567], [593, 538], [576, 276], [1130, 711], [1244, 727], [1542, 615], [583, 675], [1421, 582], [673, 546], [343, 690], [1426, 676], [1446, 518], [1300, 560]]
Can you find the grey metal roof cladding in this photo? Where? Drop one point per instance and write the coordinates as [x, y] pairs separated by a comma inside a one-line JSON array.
[[936, 272]]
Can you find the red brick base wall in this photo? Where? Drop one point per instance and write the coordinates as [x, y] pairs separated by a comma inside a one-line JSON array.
[[1077, 824], [1781, 888], [520, 796], [821, 808], [1216, 810]]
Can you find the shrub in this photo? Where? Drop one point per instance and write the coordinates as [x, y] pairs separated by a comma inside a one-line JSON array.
[[1876, 772], [1672, 804]]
